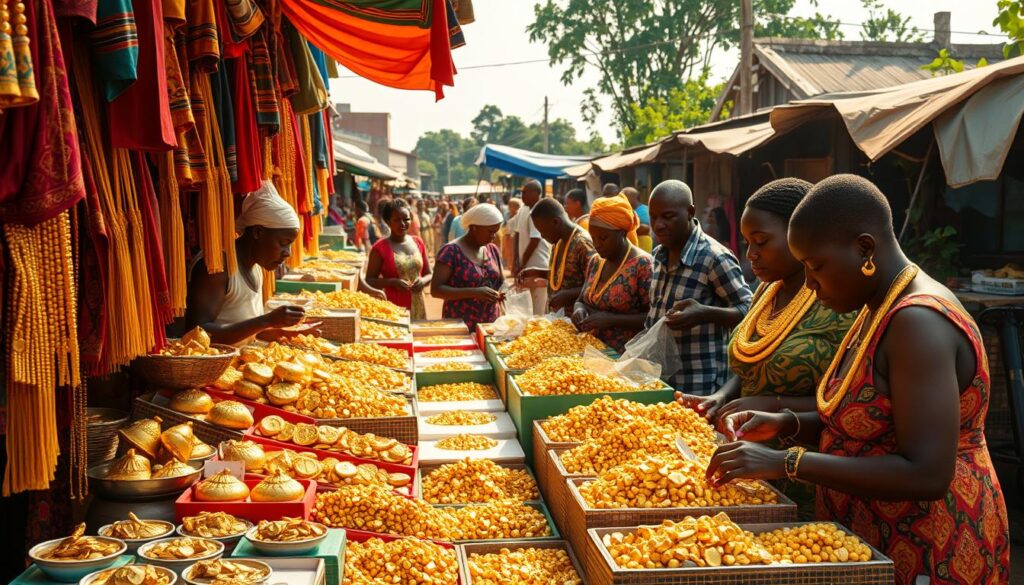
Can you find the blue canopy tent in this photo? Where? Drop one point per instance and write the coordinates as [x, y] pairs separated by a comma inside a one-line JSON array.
[[525, 163]]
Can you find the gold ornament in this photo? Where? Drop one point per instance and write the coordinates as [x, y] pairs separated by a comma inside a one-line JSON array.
[[748, 350]]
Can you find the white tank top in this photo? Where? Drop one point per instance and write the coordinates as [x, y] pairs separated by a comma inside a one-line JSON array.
[[241, 302]]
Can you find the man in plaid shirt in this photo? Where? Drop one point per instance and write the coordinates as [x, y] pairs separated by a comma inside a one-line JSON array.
[[698, 286]]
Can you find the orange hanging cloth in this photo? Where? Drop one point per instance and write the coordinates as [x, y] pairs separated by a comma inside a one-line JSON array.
[[404, 45]]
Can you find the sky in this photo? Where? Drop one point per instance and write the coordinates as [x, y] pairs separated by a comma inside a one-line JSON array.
[[499, 36]]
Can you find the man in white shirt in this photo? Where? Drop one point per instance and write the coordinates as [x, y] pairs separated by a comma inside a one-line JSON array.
[[531, 267]]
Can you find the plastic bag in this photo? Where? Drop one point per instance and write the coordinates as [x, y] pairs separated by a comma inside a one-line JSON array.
[[656, 345], [635, 371], [518, 310]]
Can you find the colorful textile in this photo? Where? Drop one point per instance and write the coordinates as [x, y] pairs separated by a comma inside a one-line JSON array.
[[960, 538], [261, 79], [174, 11], [627, 294], [224, 107], [709, 274], [408, 267], [312, 94], [248, 143], [246, 18], [76, 9], [94, 245], [140, 116], [399, 43], [455, 36], [201, 36], [569, 267], [41, 170], [160, 296], [469, 274], [617, 213], [116, 46]]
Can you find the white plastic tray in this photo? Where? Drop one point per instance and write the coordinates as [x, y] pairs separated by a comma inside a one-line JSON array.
[[501, 428], [476, 357], [507, 451], [495, 405]]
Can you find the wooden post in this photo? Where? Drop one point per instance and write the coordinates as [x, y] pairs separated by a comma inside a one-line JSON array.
[[746, 57]]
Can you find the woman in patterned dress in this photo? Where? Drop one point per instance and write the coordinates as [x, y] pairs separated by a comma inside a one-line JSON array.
[[398, 264], [615, 298], [780, 350], [467, 272], [900, 419]]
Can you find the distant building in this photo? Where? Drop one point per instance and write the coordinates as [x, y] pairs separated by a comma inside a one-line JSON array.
[[371, 131]]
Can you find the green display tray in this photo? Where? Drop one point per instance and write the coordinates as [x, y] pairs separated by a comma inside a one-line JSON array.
[[502, 373], [334, 242], [331, 550], [481, 375], [526, 409], [35, 575], [297, 286], [537, 505]]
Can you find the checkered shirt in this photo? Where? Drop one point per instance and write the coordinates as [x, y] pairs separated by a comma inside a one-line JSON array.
[[709, 273]]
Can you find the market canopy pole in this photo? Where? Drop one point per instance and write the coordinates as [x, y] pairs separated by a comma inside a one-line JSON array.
[[405, 44]]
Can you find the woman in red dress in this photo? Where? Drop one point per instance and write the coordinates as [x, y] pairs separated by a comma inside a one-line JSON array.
[[900, 422]]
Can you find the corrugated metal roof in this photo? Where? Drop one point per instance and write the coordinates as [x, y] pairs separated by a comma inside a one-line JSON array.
[[833, 73]]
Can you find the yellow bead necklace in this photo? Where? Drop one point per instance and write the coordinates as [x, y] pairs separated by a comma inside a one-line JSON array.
[[772, 331], [595, 292], [558, 273], [826, 404]]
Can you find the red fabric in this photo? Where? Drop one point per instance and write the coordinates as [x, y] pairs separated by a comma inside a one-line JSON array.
[[140, 118], [388, 269], [960, 538], [230, 49], [405, 57], [92, 286], [160, 295], [248, 144]]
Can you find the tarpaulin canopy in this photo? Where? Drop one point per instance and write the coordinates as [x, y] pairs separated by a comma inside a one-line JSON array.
[[399, 43], [359, 162], [526, 163], [975, 115], [733, 141]]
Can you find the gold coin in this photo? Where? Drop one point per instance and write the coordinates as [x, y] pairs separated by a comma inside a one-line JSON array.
[[271, 425], [287, 432], [398, 479], [327, 434], [305, 434], [346, 470], [306, 468]]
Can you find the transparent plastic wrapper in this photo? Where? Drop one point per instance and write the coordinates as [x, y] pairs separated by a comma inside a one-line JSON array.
[[636, 371], [518, 310], [652, 352]]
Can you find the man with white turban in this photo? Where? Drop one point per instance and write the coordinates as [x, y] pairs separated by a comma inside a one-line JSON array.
[[230, 306]]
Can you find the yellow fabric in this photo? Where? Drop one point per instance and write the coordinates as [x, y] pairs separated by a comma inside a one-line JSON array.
[[618, 213], [646, 243]]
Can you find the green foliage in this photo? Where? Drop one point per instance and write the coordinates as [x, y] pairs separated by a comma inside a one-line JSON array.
[[686, 106], [436, 148], [944, 64], [1011, 22], [885, 24], [643, 48], [937, 251]]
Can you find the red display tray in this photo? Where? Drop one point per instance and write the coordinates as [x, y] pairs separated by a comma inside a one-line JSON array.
[[399, 344], [343, 456], [468, 343], [260, 410], [269, 446], [185, 505]]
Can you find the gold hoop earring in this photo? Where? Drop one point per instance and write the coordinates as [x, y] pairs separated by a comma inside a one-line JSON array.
[[868, 268]]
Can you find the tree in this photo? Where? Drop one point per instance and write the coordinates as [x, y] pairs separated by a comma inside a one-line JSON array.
[[437, 148], [1011, 22], [643, 49], [686, 106], [885, 24]]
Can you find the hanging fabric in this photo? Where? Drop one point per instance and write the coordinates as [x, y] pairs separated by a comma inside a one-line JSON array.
[[116, 46]]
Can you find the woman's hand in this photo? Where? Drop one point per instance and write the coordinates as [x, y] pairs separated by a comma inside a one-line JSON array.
[[398, 283], [579, 316], [486, 294], [745, 460], [753, 426], [285, 316], [377, 294], [417, 285], [304, 329], [561, 300], [707, 406], [597, 320], [757, 403]]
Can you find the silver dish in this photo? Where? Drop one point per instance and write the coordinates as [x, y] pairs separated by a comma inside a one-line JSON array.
[[273, 548], [177, 565], [139, 489], [94, 577], [72, 571], [229, 541], [187, 573], [135, 543]]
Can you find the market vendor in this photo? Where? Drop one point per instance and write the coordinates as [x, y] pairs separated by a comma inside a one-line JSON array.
[[782, 347], [230, 306], [467, 272], [398, 264], [900, 419], [571, 250], [615, 296]]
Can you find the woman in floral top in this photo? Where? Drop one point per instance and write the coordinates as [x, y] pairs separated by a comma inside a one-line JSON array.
[[615, 298], [467, 272]]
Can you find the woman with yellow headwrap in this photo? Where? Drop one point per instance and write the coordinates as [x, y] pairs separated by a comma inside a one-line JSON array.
[[616, 293]]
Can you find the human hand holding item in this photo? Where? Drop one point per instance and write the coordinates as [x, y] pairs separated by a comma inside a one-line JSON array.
[[285, 316], [686, 314]]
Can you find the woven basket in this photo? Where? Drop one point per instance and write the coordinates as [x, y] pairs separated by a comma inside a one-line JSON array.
[[208, 433], [182, 372], [404, 429], [101, 437], [601, 569], [555, 491], [483, 548], [541, 463], [579, 517], [339, 326]]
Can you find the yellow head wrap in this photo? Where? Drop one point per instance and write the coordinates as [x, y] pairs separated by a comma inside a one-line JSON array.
[[616, 213]]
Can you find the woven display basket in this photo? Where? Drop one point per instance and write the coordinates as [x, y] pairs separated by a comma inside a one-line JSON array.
[[579, 517], [339, 326], [101, 436], [183, 372], [483, 548], [555, 491], [543, 465], [425, 470], [402, 428], [209, 433], [602, 570]]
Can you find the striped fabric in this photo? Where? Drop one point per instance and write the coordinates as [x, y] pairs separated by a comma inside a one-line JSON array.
[[202, 39], [261, 78], [246, 18], [115, 43]]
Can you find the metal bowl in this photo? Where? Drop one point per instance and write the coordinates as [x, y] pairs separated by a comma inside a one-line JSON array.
[[72, 571], [187, 573], [229, 541], [177, 565], [140, 489], [135, 543], [92, 578], [272, 548]]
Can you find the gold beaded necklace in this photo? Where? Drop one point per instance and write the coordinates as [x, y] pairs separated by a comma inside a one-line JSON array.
[[772, 330], [827, 405], [595, 292], [558, 274]]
